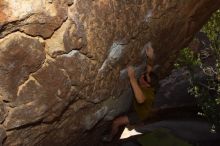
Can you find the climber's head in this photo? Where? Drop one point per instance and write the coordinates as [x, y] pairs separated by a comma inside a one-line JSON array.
[[149, 79]]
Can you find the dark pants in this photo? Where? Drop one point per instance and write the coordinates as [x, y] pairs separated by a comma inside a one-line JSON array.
[[133, 118], [131, 143]]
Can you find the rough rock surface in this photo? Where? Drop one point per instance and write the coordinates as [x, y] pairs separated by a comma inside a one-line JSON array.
[[62, 62], [173, 90]]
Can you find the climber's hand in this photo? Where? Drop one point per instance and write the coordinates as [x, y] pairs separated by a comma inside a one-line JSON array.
[[150, 53], [131, 72]]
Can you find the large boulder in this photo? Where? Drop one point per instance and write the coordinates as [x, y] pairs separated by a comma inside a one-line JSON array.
[[62, 62]]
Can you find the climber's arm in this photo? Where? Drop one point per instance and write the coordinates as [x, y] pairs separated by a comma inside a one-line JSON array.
[[136, 88]]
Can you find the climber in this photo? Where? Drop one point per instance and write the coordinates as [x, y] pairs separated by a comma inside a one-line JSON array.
[[144, 96]]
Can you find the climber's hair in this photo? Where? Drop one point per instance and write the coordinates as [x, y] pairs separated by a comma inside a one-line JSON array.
[[154, 82]]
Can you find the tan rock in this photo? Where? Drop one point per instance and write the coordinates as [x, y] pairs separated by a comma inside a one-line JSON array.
[[3, 112], [89, 43], [36, 18], [19, 57], [2, 135]]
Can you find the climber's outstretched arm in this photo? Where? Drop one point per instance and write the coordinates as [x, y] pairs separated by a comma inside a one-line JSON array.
[[136, 88]]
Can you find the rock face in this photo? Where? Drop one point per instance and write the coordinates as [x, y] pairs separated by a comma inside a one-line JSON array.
[[173, 90], [62, 62]]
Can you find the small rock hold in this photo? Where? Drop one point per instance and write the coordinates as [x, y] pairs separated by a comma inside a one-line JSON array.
[[69, 2], [50, 1]]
